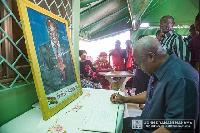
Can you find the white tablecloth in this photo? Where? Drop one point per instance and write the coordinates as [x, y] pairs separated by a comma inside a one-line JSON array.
[[72, 117]]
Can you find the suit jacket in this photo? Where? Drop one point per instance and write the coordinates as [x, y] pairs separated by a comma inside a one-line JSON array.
[[52, 77]]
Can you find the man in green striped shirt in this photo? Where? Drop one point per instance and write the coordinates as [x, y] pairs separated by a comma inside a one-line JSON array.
[[171, 41]]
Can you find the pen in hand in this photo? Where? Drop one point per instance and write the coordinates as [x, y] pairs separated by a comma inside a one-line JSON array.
[[116, 95], [117, 98]]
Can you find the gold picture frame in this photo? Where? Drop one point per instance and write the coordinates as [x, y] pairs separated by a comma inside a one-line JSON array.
[[51, 57]]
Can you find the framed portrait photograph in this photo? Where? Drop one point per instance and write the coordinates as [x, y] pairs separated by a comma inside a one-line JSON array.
[[51, 57]]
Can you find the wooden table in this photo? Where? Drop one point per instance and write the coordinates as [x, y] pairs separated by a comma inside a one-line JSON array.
[[123, 76]]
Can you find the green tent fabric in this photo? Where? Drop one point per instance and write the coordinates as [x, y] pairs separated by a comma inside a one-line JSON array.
[[104, 18], [183, 11]]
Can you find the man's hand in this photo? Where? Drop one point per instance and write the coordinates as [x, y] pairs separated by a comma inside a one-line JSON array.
[[117, 98], [138, 99]]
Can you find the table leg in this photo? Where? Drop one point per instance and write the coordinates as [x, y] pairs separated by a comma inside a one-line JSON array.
[[118, 84], [122, 83], [114, 83]]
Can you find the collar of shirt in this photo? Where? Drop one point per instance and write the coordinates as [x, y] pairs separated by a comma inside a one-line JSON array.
[[168, 34], [164, 66], [52, 44]]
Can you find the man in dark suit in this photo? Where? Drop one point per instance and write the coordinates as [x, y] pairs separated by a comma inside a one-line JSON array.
[[56, 62]]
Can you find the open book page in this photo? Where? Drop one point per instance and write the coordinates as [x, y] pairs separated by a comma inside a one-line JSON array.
[[102, 117]]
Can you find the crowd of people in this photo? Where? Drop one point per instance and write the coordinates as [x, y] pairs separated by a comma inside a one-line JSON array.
[[166, 76], [121, 61]]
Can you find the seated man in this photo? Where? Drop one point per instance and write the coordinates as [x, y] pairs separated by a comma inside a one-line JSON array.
[[172, 92]]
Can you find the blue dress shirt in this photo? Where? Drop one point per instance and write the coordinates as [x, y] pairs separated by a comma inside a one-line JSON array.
[[173, 92]]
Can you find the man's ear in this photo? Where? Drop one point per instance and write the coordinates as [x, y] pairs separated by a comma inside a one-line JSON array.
[[151, 56]]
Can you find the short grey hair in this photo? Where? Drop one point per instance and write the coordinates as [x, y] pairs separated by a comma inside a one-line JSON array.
[[145, 45]]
